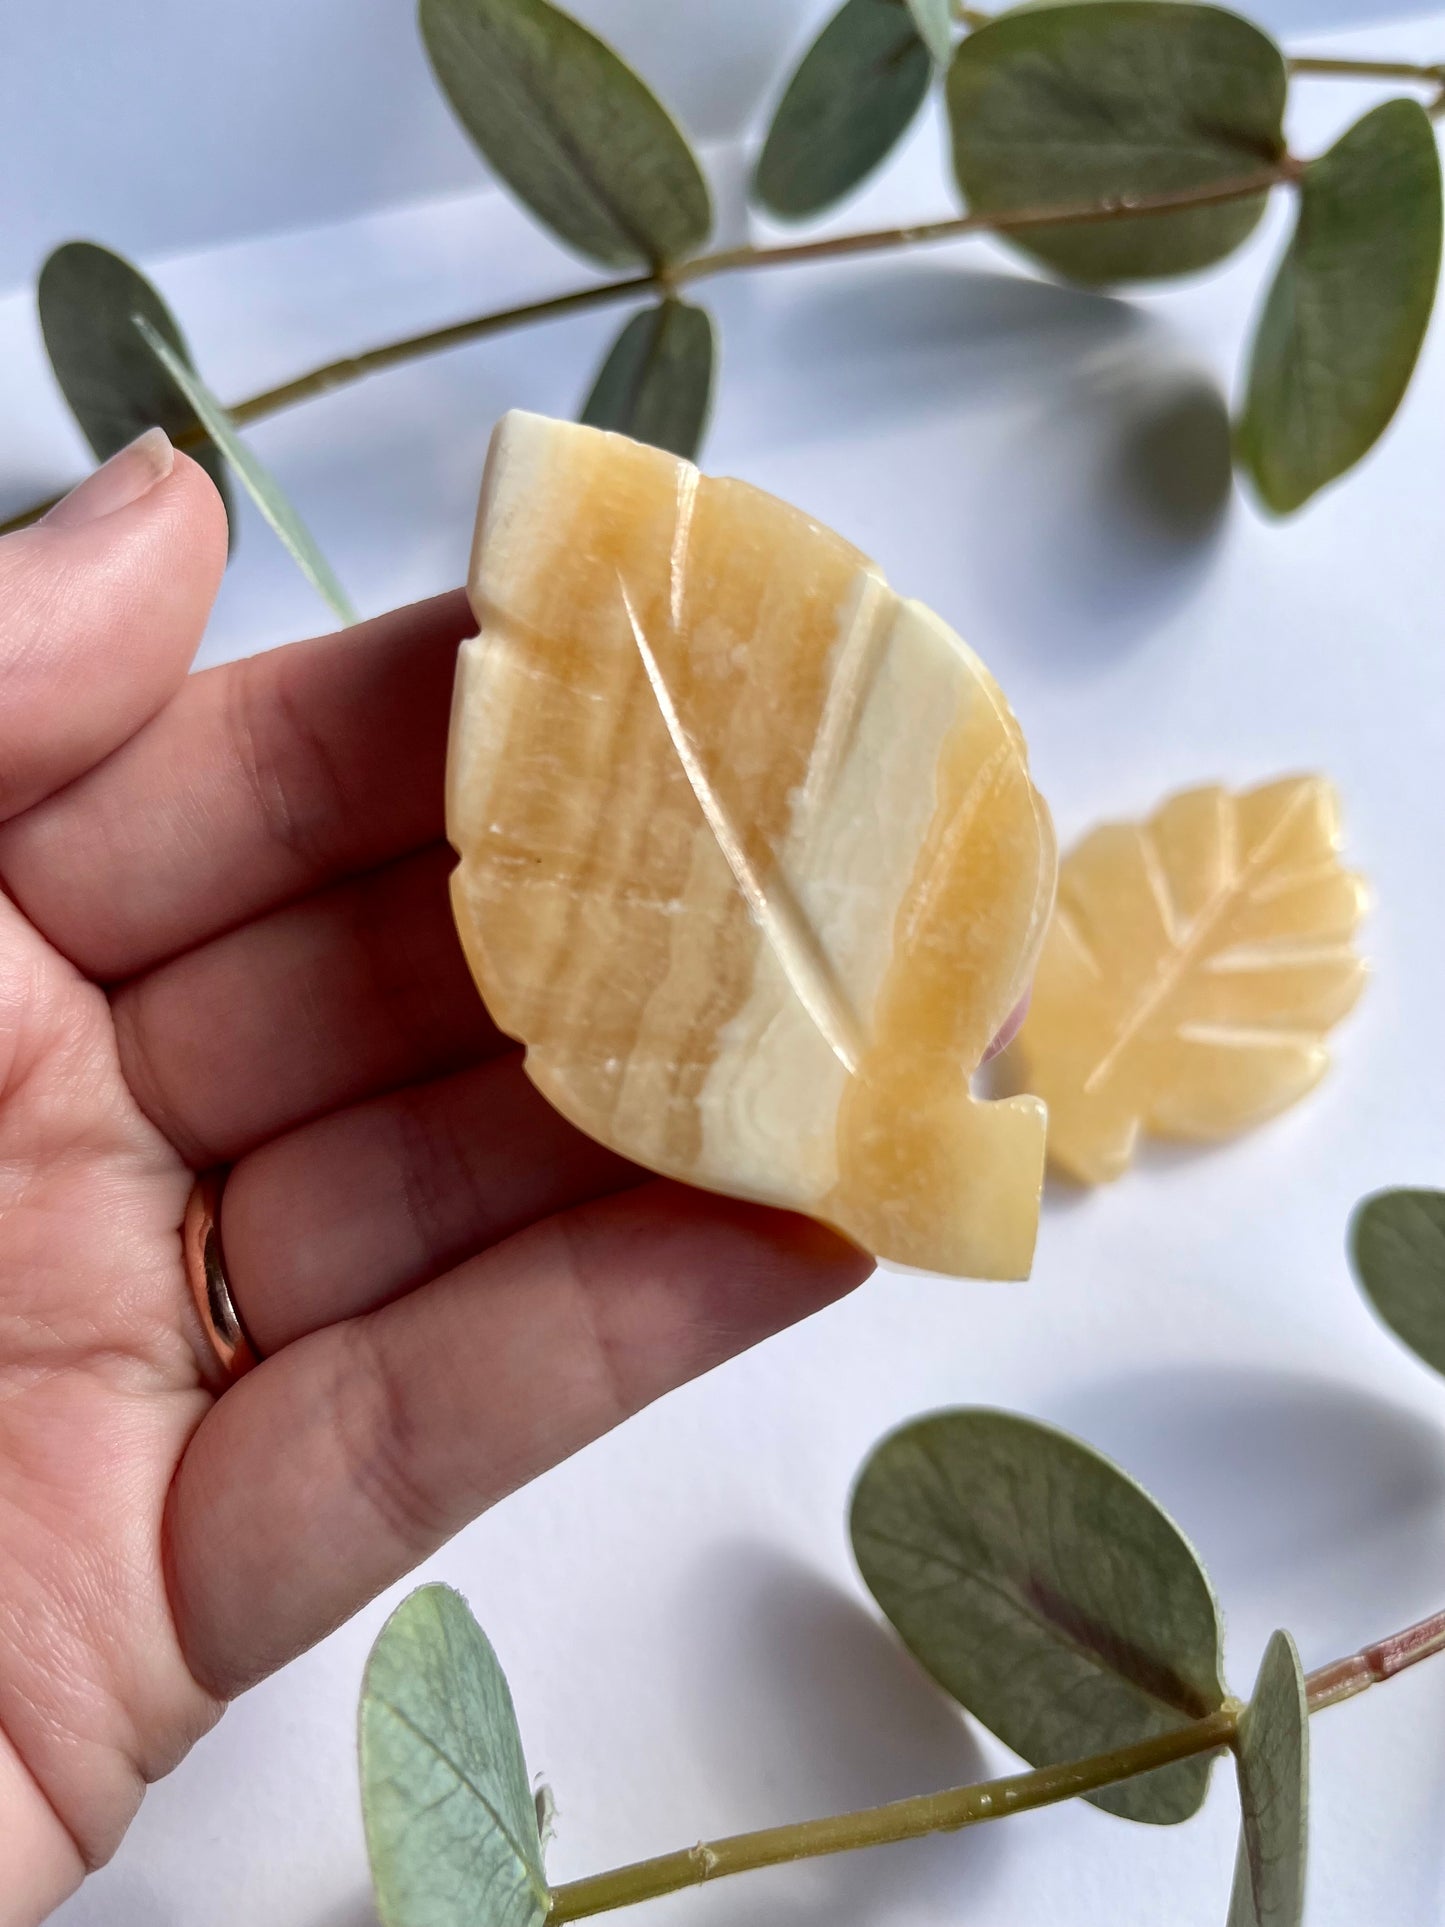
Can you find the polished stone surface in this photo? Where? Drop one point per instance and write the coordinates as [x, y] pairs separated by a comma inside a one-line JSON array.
[[751, 861], [1192, 969]]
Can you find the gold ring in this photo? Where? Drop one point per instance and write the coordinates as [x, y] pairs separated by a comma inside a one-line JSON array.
[[210, 1287]]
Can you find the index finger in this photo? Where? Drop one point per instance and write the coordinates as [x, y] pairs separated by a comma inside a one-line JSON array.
[[260, 781]]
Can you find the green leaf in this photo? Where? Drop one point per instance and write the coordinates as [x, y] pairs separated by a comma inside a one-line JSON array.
[[656, 383], [1046, 1591], [934, 21], [570, 128], [1397, 1243], [260, 484], [1074, 106], [1343, 324], [451, 1826], [854, 93], [1273, 1759], [86, 297]]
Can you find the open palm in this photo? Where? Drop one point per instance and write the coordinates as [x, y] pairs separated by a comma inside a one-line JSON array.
[[225, 940]]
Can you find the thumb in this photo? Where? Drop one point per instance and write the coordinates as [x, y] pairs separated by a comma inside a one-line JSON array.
[[102, 606]]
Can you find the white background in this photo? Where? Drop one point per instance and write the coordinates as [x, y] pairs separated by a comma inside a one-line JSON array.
[[689, 1648]]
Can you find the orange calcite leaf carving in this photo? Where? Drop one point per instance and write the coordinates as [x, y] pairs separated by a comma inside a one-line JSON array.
[[750, 858], [1191, 971]]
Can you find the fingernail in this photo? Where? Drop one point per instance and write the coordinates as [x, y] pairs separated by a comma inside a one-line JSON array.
[[130, 473]]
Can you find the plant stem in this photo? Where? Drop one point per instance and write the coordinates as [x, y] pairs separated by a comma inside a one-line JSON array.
[[902, 1820], [337, 374], [1322, 69], [1341, 1680], [968, 1806]]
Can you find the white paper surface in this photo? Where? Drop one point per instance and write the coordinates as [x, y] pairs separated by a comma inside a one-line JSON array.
[[689, 1648]]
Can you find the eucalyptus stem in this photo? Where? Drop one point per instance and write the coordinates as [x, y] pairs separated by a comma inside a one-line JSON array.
[[968, 1806], [879, 1826], [338, 374], [1343, 1678], [1319, 68]]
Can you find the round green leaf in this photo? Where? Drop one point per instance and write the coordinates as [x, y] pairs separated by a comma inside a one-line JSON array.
[[88, 300], [1273, 1760], [1397, 1242], [451, 1826], [853, 95], [1342, 327], [1046, 1591], [570, 128], [1064, 106], [656, 383]]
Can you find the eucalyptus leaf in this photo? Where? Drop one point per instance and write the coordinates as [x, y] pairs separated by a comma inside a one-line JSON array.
[[260, 484], [1342, 326], [656, 383], [1046, 1591], [847, 105], [451, 1825], [1075, 106], [1273, 1760], [934, 21], [571, 129], [1397, 1242], [86, 298]]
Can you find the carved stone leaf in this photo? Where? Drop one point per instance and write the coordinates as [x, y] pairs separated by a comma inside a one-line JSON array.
[[751, 860], [451, 1821], [1046, 1591], [1274, 1764], [1191, 972]]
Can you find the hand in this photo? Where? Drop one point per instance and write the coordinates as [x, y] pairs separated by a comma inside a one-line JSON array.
[[225, 940]]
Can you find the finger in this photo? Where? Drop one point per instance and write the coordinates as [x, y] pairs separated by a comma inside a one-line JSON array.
[[343, 1215], [353, 991], [353, 1454], [263, 780], [102, 606]]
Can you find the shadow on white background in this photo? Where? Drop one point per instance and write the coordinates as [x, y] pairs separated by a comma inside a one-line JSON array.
[[809, 1703], [1314, 1505]]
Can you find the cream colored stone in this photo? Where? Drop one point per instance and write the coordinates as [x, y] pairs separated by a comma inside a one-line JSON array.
[[750, 858], [1194, 964]]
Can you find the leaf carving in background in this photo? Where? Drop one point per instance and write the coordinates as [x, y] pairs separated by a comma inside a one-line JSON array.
[[1397, 1243], [656, 383], [87, 298], [1273, 1759], [451, 1821], [1193, 967], [573, 131], [848, 104], [260, 484], [1342, 327], [1055, 106]]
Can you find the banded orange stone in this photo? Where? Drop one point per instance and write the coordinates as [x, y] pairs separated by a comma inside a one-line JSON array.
[[750, 858]]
